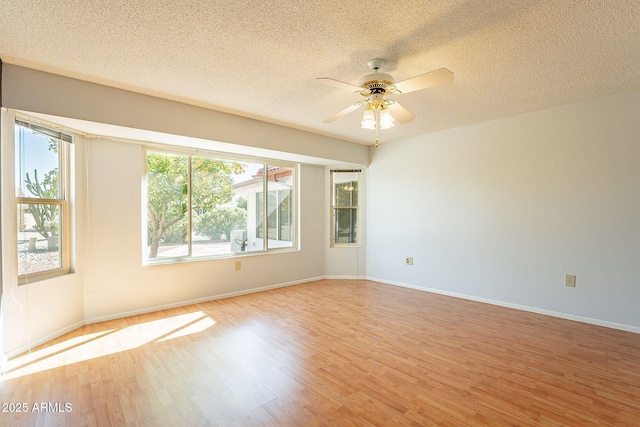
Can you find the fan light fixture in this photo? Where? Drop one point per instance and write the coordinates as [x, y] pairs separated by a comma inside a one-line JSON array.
[[386, 119], [368, 119], [376, 87], [377, 116]]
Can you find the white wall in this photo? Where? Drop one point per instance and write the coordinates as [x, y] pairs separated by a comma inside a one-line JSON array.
[[109, 280], [45, 93], [502, 210], [116, 282], [39, 311]]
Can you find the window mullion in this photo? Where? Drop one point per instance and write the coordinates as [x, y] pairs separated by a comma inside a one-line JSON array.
[[265, 206], [34, 201], [278, 233], [189, 205], [62, 171]]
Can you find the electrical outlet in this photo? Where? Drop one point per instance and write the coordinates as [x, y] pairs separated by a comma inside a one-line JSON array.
[[237, 265], [570, 280], [408, 260]]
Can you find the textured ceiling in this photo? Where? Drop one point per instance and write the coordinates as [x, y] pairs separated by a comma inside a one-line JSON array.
[[260, 59]]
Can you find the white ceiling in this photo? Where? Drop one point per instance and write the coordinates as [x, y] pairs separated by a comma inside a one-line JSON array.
[[260, 59]]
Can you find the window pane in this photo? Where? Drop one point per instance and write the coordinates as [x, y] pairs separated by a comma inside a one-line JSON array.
[[346, 222], [167, 205], [347, 194], [345, 188], [280, 206], [285, 213], [220, 206], [37, 164], [345, 207], [248, 196], [272, 212], [38, 238], [221, 200]]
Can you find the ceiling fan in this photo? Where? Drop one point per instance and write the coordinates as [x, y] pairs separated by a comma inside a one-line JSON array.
[[380, 111]]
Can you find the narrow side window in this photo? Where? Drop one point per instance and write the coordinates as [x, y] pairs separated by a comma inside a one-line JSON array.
[[42, 199], [344, 208]]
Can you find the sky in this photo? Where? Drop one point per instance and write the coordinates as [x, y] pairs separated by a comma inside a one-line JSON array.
[[32, 153]]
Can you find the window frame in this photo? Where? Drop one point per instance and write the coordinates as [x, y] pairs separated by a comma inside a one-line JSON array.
[[334, 208], [65, 143], [277, 207], [227, 157]]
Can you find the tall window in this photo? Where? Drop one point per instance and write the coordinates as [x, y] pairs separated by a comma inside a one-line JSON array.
[[205, 206], [41, 177], [280, 223], [344, 196]]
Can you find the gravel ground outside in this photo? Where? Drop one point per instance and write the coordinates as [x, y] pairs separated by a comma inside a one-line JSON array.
[[36, 260]]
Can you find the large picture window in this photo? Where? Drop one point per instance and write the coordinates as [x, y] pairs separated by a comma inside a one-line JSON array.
[[344, 209], [201, 206], [41, 177]]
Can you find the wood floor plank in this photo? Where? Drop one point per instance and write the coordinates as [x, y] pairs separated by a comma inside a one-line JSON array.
[[327, 353]]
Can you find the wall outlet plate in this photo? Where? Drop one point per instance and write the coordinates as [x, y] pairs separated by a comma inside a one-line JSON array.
[[570, 280], [408, 260]]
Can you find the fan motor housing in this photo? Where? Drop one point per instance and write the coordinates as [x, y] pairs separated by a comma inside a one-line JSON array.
[[376, 81]]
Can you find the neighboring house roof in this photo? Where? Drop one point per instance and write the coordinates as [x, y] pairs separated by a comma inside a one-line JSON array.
[[274, 173]]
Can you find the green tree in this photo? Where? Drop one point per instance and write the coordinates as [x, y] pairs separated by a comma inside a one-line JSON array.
[[242, 203], [168, 190], [221, 221], [45, 216]]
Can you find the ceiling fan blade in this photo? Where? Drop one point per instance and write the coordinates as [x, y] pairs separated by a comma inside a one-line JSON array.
[[343, 113], [401, 114], [337, 83], [423, 81]]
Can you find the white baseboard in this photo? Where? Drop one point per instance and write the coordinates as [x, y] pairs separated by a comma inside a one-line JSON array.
[[197, 300], [42, 340], [345, 277], [591, 321], [67, 329]]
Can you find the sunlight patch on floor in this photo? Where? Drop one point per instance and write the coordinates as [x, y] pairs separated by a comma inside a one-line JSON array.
[[106, 342], [193, 328]]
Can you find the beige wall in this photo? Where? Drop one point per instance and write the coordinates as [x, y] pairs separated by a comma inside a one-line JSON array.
[[117, 283], [38, 92]]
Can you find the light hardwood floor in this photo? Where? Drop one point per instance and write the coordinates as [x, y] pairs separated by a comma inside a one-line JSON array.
[[335, 353]]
